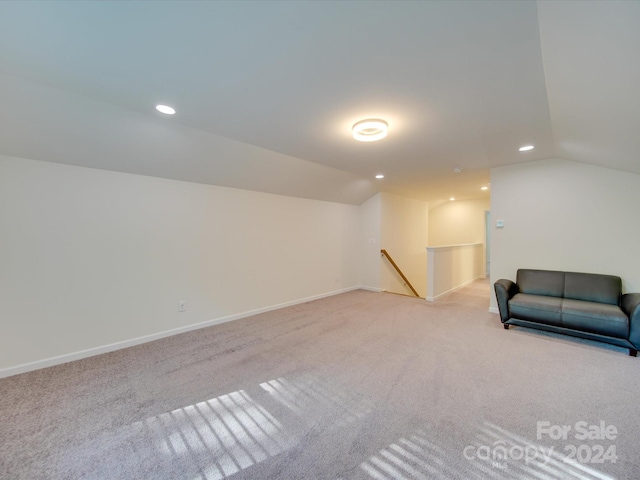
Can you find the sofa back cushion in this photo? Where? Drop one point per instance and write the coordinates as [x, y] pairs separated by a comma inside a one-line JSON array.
[[593, 287], [541, 282]]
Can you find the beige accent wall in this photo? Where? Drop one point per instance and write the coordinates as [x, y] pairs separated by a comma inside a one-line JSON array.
[[458, 222], [91, 258], [404, 234], [564, 215], [451, 268]]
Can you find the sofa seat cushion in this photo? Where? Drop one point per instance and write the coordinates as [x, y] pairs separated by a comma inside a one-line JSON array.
[[536, 308], [600, 318]]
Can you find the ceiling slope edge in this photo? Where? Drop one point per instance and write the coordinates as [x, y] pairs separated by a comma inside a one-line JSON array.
[[41, 122]]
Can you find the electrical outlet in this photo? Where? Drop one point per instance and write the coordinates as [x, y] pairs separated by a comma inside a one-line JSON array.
[[182, 306]]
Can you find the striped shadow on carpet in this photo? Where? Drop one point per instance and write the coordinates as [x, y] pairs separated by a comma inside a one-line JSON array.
[[361, 385]]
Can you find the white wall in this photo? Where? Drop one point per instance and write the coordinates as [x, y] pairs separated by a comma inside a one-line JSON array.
[[370, 230], [458, 222], [90, 258], [564, 215], [404, 234]]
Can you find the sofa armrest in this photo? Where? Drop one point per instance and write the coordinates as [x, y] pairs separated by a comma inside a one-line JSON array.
[[505, 289], [631, 307]]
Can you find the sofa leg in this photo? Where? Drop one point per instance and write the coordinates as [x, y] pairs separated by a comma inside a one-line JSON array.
[[633, 352], [506, 327]]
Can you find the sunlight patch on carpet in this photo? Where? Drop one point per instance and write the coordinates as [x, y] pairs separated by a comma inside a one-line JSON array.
[[310, 397], [232, 431], [410, 457]]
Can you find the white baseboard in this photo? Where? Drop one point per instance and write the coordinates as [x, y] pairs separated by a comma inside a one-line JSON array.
[[50, 362], [494, 310], [451, 290], [371, 289]]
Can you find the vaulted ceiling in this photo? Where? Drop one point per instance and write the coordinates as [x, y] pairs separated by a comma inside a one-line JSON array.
[[266, 92]]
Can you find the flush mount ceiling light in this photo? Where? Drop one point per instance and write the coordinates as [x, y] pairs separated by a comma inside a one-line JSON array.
[[526, 148], [379, 176], [166, 109], [370, 130], [452, 199]]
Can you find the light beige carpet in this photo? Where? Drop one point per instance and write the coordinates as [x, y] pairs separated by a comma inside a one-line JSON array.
[[357, 386]]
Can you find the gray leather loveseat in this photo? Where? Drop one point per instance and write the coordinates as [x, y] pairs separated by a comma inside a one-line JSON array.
[[584, 305]]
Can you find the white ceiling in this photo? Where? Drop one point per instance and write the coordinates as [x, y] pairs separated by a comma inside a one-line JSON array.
[[266, 92]]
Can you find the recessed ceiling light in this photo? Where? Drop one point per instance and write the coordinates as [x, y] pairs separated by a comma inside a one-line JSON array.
[[379, 176], [452, 199], [484, 188], [370, 130], [166, 109], [526, 148], [457, 170]]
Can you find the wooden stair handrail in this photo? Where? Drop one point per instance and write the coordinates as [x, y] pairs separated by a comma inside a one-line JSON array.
[[406, 280]]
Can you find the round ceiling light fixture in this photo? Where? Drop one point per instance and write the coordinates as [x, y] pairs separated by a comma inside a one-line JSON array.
[[526, 148], [370, 130], [166, 109]]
